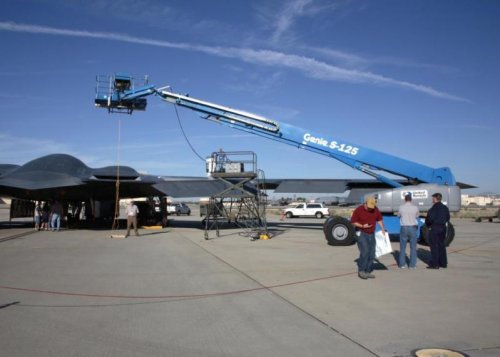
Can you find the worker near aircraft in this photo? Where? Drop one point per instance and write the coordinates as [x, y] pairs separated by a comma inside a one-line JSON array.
[[437, 219], [38, 215], [45, 216], [365, 218], [408, 215], [132, 212], [56, 214]]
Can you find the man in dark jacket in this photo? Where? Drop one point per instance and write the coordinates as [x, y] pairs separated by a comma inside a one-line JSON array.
[[436, 220]]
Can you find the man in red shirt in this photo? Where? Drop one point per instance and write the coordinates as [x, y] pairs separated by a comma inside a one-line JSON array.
[[365, 218]]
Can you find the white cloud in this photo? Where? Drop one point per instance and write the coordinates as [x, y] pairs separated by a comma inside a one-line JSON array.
[[358, 61], [324, 71], [281, 19], [310, 67], [285, 19], [341, 56]]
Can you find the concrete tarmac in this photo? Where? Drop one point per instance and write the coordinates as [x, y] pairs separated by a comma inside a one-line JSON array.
[[170, 292]]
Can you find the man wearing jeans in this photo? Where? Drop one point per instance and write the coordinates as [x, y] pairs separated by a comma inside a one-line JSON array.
[[365, 218], [57, 211], [408, 215]]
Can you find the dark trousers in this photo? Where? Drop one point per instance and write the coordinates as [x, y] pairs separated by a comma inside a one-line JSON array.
[[366, 246], [437, 236]]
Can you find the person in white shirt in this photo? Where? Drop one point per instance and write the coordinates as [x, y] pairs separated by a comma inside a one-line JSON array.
[[132, 212], [38, 215], [408, 215]]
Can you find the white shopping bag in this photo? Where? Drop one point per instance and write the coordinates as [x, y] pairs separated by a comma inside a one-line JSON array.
[[383, 244]]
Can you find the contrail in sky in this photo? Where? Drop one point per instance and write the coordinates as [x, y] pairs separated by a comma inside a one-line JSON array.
[[308, 66], [286, 17]]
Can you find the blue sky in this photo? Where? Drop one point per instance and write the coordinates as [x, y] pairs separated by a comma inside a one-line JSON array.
[[415, 79]]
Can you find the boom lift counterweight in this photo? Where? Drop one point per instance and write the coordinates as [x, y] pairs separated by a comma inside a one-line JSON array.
[[422, 181]]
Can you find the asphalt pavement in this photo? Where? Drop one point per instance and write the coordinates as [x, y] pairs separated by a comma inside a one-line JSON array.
[[170, 292]]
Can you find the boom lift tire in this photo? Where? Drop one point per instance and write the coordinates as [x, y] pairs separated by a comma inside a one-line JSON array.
[[339, 231], [450, 235]]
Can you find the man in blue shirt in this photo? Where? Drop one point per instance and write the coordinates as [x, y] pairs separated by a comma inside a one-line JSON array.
[[436, 220]]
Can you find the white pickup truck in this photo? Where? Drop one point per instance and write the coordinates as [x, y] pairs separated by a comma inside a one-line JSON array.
[[307, 209], [178, 209]]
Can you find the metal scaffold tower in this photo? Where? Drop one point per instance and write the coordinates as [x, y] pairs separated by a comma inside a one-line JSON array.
[[242, 203]]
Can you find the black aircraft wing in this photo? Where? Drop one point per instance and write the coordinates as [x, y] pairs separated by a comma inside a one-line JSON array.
[[193, 186], [64, 177], [332, 185]]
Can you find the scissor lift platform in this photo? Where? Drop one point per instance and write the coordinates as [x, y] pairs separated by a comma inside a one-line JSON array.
[[241, 203]]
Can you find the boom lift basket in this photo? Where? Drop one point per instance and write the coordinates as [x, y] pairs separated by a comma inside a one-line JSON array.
[[122, 93]]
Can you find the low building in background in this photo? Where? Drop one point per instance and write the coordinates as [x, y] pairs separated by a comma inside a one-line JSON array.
[[480, 200]]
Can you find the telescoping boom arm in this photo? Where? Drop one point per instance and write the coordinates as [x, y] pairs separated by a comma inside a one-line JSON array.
[[119, 94], [358, 157], [124, 96]]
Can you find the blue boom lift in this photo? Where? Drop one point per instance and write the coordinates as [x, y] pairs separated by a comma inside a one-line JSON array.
[[121, 95]]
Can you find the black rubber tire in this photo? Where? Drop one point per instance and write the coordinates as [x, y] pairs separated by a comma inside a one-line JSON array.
[[450, 234], [424, 235], [339, 231], [289, 215], [318, 215]]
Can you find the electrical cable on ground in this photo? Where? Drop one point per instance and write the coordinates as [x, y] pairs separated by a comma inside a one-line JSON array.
[[231, 292]]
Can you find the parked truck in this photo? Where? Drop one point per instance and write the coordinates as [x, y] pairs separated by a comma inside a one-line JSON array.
[[306, 210]]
